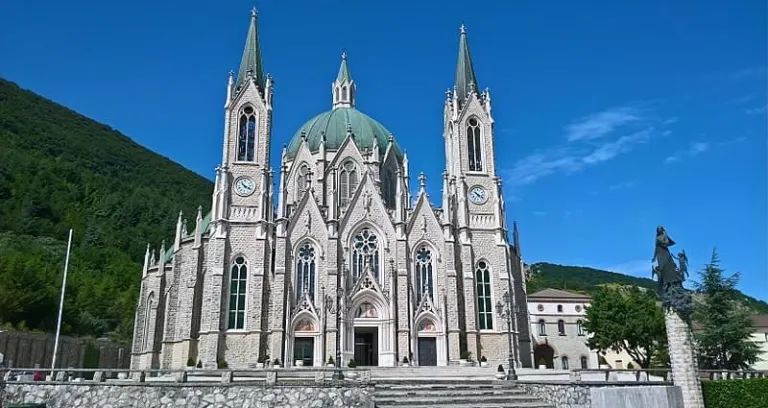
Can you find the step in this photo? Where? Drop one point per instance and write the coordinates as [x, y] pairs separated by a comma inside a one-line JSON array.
[[476, 405], [456, 399], [446, 392]]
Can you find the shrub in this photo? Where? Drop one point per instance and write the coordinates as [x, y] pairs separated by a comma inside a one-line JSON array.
[[630, 366], [405, 360], [276, 362], [199, 364], [190, 362], [750, 393], [352, 363], [500, 368], [483, 359], [330, 360], [223, 364]]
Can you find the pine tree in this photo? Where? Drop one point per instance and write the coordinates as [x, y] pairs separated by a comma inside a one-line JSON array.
[[724, 342]]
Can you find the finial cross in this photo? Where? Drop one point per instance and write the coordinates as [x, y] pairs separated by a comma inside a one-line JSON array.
[[422, 180]]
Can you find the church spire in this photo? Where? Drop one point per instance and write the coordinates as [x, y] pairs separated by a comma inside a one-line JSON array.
[[251, 64], [343, 87], [344, 74], [466, 82]]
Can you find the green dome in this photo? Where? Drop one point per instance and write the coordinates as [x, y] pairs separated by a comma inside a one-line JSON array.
[[334, 123]]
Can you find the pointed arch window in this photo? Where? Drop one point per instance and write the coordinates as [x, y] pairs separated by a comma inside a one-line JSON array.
[[344, 93], [424, 276], [247, 138], [389, 187], [301, 181], [365, 253], [238, 280], [474, 145], [348, 179], [305, 271], [146, 343], [484, 303]]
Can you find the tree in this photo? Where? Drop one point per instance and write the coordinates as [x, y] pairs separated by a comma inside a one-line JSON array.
[[626, 319], [724, 341]]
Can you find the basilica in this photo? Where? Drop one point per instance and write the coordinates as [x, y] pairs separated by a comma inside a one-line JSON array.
[[340, 245]]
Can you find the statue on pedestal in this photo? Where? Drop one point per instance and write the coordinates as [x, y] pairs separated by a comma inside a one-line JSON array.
[[678, 306], [671, 277]]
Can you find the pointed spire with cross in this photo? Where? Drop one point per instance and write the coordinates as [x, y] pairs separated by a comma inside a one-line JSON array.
[[422, 181]]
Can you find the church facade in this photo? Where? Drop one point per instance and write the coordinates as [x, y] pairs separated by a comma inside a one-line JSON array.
[[337, 243]]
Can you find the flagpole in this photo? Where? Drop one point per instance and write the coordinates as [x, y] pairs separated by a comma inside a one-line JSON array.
[[61, 305]]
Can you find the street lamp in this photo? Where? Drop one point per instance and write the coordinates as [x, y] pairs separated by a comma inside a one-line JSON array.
[[507, 310], [331, 308]]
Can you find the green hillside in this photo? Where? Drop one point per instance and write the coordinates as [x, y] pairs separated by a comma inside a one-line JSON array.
[[586, 280], [61, 170]]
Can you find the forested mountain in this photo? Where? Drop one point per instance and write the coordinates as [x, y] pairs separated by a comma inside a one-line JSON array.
[[61, 170], [586, 280]]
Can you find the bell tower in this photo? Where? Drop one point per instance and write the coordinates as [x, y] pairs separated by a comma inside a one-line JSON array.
[[470, 154], [244, 178]]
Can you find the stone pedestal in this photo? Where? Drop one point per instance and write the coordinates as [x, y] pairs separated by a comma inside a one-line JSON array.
[[685, 373]]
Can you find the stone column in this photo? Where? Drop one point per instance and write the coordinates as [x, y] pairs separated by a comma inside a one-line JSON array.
[[685, 371]]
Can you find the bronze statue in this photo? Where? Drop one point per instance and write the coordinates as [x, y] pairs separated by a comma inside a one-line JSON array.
[[671, 277]]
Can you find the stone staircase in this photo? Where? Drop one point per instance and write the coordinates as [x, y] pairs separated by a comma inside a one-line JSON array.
[[422, 393]]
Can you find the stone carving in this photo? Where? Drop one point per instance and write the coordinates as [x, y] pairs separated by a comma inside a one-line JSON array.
[[671, 277]]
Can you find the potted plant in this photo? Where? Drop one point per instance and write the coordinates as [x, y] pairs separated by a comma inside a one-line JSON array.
[[299, 362], [276, 363], [223, 365], [331, 363], [542, 364], [351, 374], [405, 362], [483, 361], [500, 374], [190, 363], [464, 358]]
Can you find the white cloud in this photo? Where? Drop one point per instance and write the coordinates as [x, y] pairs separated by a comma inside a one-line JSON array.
[[590, 140], [695, 149], [760, 110], [622, 186], [621, 145], [748, 72], [600, 124], [670, 121]]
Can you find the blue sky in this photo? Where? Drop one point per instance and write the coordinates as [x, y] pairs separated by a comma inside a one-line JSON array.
[[611, 117]]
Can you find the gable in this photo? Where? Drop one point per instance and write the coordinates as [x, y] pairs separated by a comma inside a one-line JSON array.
[[368, 207]]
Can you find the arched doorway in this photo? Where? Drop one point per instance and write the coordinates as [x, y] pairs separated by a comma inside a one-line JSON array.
[[545, 353]]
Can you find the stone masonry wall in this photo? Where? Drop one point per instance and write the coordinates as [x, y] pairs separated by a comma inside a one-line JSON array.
[[627, 395], [184, 395]]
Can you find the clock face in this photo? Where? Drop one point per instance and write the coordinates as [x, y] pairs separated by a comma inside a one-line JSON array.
[[478, 195], [244, 186]]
